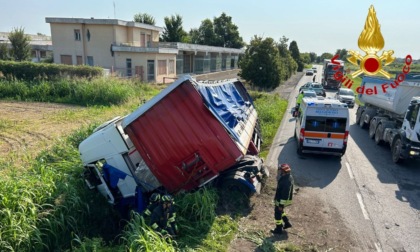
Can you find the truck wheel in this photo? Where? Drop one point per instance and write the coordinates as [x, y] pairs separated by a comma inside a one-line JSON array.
[[362, 123], [372, 129], [396, 151], [378, 134], [231, 185], [358, 116]]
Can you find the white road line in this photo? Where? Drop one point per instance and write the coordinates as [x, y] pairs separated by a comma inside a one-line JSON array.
[[378, 247], [362, 206], [349, 170]]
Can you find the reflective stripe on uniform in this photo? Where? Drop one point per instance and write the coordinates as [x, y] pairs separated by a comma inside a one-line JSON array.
[[283, 215], [172, 219], [279, 222], [285, 202], [147, 212]]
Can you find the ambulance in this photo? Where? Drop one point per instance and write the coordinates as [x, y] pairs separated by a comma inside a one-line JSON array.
[[322, 127]]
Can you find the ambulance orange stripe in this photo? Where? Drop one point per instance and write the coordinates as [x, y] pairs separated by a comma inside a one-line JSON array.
[[324, 135]]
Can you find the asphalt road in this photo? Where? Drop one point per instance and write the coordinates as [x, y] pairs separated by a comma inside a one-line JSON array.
[[377, 199]]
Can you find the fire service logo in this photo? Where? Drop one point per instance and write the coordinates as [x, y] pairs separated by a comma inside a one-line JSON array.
[[371, 41]]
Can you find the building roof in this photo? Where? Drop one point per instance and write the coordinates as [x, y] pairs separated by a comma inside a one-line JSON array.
[[102, 22]]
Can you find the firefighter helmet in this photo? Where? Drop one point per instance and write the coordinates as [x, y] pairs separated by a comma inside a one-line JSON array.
[[155, 197], [285, 168], [167, 198]]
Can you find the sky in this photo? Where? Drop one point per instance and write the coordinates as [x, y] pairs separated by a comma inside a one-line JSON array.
[[317, 26]]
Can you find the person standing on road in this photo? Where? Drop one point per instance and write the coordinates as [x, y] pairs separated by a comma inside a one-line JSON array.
[[314, 78], [283, 198]]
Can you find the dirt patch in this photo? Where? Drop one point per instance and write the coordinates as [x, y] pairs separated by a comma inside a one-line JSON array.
[[28, 127], [316, 226]]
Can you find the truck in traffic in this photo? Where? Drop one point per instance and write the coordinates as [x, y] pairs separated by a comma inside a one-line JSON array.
[[392, 115], [188, 135], [329, 69]]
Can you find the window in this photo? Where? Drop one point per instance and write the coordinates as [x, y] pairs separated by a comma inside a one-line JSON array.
[[88, 35], [326, 124], [336, 125], [66, 59], [149, 40], [315, 123], [90, 60], [77, 35], [129, 67], [161, 67], [79, 60], [142, 40], [171, 67]]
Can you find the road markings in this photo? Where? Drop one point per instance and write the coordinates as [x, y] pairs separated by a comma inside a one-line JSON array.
[[362, 206], [349, 170]]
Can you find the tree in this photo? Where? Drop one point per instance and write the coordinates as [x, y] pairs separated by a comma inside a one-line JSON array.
[[4, 52], [306, 58], [227, 34], [313, 56], [341, 53], [173, 31], [260, 64], [204, 35], [288, 65], [144, 18], [21, 49], [294, 50], [325, 56]]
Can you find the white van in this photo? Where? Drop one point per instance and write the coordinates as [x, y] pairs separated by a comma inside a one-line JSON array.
[[322, 126]]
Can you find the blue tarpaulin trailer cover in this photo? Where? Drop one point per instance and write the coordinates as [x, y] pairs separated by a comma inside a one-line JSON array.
[[226, 103]]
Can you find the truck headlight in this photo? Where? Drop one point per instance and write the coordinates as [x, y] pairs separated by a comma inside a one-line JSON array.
[[414, 153]]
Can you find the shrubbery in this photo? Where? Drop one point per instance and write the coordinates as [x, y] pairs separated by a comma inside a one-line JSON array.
[[29, 71]]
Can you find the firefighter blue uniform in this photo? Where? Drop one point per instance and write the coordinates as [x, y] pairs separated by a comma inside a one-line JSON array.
[[163, 217], [153, 203], [283, 198]]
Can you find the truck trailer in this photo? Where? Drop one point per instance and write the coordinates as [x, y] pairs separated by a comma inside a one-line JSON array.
[[188, 135], [392, 115], [328, 71]]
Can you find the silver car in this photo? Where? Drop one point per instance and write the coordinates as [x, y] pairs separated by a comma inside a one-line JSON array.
[[346, 95]]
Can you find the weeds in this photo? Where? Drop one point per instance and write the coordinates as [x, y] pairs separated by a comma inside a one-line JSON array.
[[46, 206]]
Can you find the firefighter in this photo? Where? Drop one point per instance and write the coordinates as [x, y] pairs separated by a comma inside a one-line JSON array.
[[283, 198], [161, 219], [154, 201]]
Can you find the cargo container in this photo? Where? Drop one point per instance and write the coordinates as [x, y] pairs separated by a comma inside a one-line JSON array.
[[185, 137]]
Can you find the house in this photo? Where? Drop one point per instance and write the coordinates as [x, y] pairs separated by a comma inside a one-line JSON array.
[[41, 45], [131, 49]]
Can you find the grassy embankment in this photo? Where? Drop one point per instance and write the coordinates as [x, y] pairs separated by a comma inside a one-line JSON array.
[[45, 205]]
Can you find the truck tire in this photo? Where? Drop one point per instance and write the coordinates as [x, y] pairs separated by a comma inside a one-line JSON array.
[[396, 151], [232, 185], [362, 123], [378, 134], [372, 129]]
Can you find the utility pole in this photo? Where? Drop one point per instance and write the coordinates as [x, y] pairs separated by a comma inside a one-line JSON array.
[[115, 15]]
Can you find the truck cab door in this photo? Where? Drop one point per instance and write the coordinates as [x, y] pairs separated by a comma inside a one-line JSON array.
[[411, 123]]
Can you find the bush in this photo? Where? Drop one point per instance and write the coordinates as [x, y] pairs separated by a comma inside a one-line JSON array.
[[43, 71]]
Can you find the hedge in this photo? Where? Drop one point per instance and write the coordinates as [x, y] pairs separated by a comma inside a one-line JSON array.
[[31, 71]]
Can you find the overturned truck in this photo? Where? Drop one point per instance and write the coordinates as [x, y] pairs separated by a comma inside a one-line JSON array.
[[188, 135]]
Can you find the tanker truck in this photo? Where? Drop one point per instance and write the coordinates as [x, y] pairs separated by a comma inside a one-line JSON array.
[[392, 115], [190, 134]]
